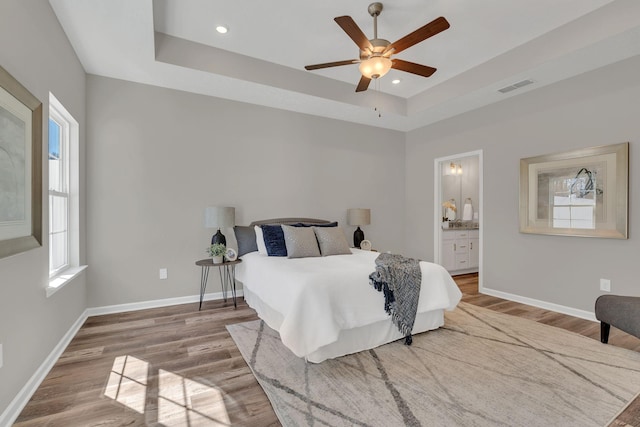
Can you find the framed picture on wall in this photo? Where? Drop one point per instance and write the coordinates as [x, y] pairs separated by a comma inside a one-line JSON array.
[[577, 193], [20, 167]]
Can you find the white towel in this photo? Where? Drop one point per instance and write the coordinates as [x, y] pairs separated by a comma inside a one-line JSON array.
[[467, 212]]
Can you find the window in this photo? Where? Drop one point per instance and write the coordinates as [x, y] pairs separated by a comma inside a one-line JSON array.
[[573, 202], [64, 166], [58, 192]]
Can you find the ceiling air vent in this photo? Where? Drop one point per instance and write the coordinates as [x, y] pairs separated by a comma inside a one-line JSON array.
[[515, 86]]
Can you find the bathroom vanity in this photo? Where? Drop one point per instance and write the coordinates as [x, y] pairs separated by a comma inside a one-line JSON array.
[[460, 248]]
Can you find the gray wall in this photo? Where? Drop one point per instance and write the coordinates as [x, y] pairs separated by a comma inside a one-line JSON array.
[[158, 157], [596, 108], [35, 50]]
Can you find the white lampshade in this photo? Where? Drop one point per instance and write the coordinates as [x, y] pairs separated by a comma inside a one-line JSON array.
[[375, 67], [219, 217], [358, 216]]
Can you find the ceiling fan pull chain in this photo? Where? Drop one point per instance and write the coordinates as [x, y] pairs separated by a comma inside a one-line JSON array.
[[379, 97], [376, 88]]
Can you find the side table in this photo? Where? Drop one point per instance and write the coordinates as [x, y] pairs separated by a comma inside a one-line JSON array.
[[227, 272]]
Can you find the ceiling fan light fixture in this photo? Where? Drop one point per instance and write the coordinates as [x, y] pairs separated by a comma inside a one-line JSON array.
[[375, 54], [375, 67]]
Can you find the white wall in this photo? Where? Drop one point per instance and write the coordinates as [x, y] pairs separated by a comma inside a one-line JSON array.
[[35, 50], [158, 157], [596, 108]]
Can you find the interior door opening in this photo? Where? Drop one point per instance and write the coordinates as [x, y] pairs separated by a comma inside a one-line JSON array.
[[458, 213]]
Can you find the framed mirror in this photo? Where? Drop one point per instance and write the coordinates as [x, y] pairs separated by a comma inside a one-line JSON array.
[[576, 193]]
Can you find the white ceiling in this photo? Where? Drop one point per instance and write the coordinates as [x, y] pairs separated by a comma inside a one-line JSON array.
[[491, 44]]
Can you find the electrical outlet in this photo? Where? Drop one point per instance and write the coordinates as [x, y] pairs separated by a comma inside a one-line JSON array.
[[1, 358], [163, 273], [605, 285]]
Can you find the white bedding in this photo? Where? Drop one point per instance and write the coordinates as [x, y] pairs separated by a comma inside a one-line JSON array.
[[317, 298]]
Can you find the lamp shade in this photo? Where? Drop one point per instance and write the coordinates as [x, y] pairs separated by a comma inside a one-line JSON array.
[[375, 67], [219, 217], [358, 216]]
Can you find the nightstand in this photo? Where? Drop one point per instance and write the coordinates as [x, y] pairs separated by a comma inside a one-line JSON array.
[[227, 272]]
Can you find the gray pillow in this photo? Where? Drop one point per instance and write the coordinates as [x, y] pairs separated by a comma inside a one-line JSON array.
[[332, 241], [300, 241], [246, 238]]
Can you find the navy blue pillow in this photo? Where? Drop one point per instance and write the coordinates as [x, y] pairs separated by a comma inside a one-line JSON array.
[[274, 240]]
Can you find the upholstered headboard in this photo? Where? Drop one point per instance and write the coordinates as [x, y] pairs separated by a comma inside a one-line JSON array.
[[288, 221]]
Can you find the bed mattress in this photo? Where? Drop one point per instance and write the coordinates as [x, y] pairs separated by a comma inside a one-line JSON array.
[[324, 307]]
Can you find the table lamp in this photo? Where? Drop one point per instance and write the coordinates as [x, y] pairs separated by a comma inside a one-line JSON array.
[[358, 217], [219, 217]]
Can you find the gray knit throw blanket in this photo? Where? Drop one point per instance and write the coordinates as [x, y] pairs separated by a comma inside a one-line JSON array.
[[399, 279]]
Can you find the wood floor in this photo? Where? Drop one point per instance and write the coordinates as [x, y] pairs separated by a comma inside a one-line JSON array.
[[177, 366], [468, 284]]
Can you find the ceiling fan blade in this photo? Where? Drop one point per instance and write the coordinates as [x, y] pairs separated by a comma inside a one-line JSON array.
[[412, 67], [331, 64], [363, 84], [431, 29], [351, 28]]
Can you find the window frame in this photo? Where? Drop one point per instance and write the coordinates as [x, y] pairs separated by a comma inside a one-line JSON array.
[[567, 200], [63, 191], [65, 275]]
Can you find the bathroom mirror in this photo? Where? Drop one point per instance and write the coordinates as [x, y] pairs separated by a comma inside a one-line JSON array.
[[459, 193]]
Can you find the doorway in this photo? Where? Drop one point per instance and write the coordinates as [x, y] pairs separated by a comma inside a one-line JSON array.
[[458, 213]]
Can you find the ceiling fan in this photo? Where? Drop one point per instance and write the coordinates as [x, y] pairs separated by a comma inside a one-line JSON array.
[[375, 54]]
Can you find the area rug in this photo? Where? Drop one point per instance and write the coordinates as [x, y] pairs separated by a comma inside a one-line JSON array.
[[481, 369]]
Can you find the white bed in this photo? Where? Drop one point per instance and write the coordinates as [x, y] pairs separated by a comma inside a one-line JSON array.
[[324, 307]]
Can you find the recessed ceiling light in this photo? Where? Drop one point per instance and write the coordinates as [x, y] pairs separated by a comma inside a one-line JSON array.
[[396, 81], [222, 29]]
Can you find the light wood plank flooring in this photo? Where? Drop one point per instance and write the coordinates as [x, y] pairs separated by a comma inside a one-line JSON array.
[[178, 366], [468, 284]]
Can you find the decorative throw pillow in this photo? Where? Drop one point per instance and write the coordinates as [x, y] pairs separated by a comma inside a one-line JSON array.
[[246, 238], [274, 240], [300, 241], [262, 249], [332, 241], [304, 224]]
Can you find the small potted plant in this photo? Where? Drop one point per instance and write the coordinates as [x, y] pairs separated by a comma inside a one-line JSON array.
[[217, 251]]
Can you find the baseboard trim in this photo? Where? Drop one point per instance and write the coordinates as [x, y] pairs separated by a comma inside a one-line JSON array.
[[582, 314], [143, 305], [18, 403], [16, 406]]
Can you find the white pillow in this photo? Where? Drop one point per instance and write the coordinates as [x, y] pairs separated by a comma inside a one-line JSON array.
[[262, 248]]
